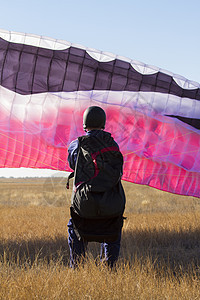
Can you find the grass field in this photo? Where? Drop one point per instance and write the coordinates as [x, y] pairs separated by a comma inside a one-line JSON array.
[[160, 250]]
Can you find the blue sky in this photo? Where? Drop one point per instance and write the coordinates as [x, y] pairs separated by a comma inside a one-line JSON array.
[[161, 33]]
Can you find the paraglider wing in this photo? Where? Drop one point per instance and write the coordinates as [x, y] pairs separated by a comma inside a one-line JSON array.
[[46, 84]]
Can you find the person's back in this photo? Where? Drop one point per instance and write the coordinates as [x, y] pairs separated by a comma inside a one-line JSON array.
[[98, 199]]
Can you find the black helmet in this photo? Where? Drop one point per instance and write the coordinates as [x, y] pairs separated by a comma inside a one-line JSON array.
[[94, 117]]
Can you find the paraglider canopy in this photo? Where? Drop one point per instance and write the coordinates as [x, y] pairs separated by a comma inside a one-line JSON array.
[[46, 85]]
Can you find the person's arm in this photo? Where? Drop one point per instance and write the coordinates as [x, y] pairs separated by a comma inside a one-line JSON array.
[[72, 153]]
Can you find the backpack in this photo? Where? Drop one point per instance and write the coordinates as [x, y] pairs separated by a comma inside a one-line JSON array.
[[98, 192], [97, 230]]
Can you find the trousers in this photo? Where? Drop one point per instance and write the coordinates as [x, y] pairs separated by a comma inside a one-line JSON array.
[[109, 252]]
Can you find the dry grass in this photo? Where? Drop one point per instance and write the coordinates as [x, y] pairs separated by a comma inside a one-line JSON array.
[[159, 257]]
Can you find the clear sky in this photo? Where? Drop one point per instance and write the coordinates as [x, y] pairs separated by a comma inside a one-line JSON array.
[[163, 33]]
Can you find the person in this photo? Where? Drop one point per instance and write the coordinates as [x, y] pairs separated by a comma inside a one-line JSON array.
[[98, 199]]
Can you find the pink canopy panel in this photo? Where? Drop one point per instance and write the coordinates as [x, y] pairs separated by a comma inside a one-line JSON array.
[[46, 84]]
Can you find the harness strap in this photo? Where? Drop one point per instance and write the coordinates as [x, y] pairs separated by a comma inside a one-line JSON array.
[[71, 175]]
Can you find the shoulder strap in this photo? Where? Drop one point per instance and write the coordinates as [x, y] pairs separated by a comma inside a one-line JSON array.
[[71, 175]]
